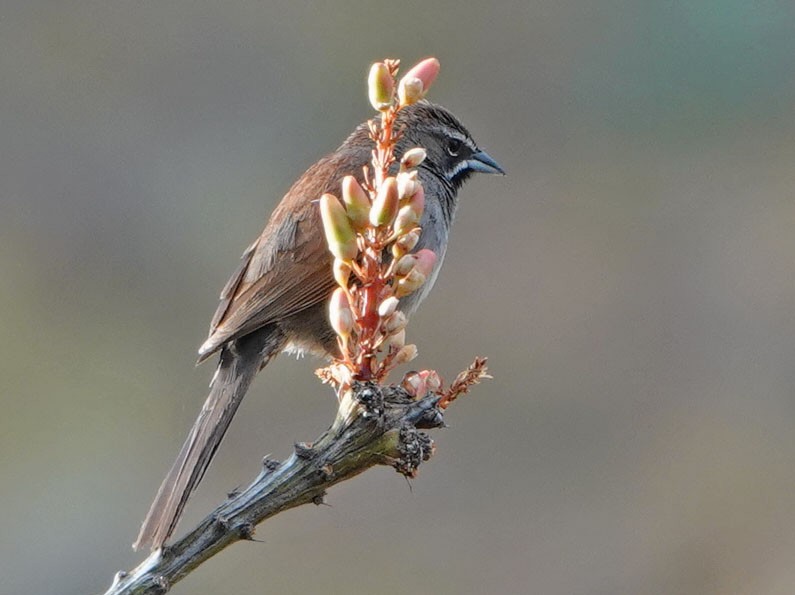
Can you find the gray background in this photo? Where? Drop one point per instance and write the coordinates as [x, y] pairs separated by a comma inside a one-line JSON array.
[[631, 280]]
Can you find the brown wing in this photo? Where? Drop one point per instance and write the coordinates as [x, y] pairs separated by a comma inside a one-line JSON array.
[[288, 268]]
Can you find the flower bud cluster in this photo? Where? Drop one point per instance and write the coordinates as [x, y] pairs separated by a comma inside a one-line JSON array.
[[357, 229], [412, 87], [373, 231], [416, 82]]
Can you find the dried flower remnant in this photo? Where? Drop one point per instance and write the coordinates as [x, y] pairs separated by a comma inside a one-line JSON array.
[[465, 380]]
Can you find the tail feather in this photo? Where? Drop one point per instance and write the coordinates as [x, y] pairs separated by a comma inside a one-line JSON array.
[[239, 363]]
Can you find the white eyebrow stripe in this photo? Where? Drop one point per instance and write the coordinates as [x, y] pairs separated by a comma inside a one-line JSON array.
[[458, 136]]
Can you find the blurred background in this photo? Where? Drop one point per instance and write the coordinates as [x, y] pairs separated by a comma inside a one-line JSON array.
[[632, 281]]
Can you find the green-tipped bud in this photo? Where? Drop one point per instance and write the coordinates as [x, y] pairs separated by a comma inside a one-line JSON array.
[[410, 283], [405, 243], [340, 237], [340, 314], [395, 323], [407, 184], [416, 82], [405, 355], [385, 205], [388, 306], [380, 86], [357, 203], [412, 158], [342, 272]]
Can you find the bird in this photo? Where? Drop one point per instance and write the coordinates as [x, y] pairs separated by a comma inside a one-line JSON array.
[[276, 299]]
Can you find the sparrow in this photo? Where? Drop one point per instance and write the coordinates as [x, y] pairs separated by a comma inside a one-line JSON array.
[[276, 300]]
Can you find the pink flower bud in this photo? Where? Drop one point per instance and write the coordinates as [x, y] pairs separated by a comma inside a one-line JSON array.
[[405, 355], [380, 86], [425, 72], [340, 314], [342, 272], [422, 261], [425, 261], [385, 205], [357, 203], [340, 237], [412, 158], [388, 306]]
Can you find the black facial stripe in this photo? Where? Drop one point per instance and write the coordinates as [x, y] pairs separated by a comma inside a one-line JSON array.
[[465, 140]]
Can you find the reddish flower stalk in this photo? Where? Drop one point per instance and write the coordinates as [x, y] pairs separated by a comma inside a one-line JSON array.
[[382, 213]]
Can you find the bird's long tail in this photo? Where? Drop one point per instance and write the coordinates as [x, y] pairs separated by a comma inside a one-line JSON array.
[[240, 362]]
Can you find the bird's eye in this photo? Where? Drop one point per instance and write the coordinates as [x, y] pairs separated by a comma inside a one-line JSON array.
[[454, 146]]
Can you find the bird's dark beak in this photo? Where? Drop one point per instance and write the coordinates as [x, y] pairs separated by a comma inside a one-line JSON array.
[[482, 162]]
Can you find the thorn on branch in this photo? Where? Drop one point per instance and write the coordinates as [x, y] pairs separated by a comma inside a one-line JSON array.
[[118, 577], [222, 523], [246, 531], [326, 472], [305, 450], [162, 584], [431, 415], [270, 465]]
